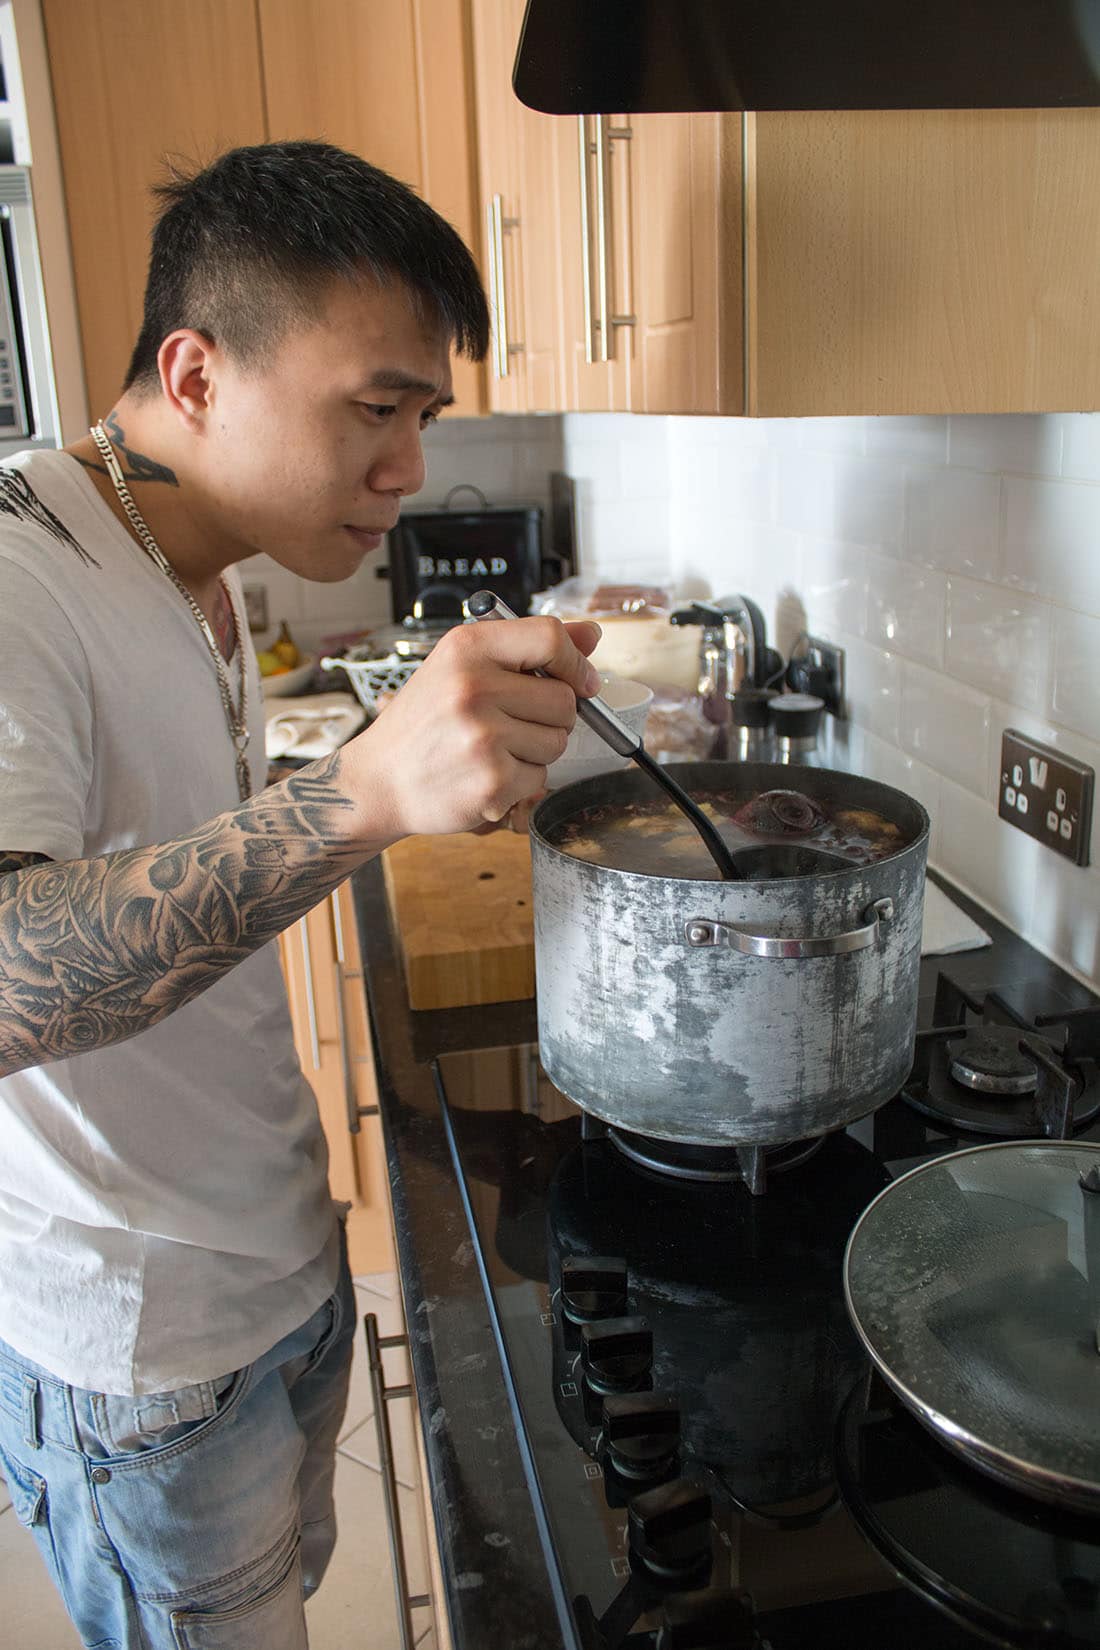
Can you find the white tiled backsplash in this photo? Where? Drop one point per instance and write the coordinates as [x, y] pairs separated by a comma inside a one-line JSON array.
[[956, 559]]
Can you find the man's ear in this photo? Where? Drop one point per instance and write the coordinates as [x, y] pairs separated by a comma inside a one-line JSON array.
[[185, 361]]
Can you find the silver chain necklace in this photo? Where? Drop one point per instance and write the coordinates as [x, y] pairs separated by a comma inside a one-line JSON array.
[[236, 716]]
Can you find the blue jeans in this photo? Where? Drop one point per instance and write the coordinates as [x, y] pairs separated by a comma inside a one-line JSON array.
[[193, 1520]]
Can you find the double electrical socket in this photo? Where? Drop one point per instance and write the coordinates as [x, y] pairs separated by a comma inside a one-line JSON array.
[[1047, 794]]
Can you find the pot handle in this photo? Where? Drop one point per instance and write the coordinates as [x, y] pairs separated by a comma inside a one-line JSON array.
[[700, 932]]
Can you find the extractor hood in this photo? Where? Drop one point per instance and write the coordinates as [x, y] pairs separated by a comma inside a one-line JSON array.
[[636, 56]]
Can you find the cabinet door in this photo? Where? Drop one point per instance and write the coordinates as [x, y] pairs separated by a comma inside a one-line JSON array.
[[686, 255], [390, 80], [135, 84], [594, 226], [321, 966], [934, 261], [517, 165]]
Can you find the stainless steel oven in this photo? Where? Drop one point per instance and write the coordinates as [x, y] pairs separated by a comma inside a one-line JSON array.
[[28, 405]]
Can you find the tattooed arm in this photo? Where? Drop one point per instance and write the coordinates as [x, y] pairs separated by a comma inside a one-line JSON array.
[[93, 951]]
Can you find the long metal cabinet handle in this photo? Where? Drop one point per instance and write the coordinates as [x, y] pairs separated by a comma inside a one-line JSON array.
[[497, 301], [383, 1395], [503, 348], [700, 933], [351, 1105], [586, 250], [343, 973], [603, 270], [311, 1000]]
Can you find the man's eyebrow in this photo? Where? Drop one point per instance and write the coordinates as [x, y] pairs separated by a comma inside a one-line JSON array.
[[392, 378]]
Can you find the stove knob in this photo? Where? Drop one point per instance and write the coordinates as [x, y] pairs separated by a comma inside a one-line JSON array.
[[642, 1433], [616, 1354], [722, 1620], [592, 1287], [670, 1530]]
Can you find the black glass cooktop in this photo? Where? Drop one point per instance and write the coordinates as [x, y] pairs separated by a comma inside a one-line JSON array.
[[710, 1460]]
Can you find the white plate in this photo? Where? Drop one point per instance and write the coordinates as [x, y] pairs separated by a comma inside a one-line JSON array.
[[290, 681]]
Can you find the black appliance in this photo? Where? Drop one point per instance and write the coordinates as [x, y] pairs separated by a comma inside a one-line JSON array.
[[635, 56], [711, 1461]]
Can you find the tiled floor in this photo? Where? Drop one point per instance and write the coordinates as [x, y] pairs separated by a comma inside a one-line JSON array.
[[354, 1609]]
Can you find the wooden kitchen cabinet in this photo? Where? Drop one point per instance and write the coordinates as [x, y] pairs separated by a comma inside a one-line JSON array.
[[608, 225], [136, 82], [518, 159], [935, 261], [328, 1008]]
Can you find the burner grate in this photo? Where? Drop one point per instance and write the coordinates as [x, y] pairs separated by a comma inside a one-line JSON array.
[[984, 1069]]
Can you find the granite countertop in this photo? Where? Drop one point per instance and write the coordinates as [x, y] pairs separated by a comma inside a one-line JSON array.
[[499, 1588]]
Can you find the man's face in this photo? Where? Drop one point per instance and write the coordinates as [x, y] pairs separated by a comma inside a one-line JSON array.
[[308, 457]]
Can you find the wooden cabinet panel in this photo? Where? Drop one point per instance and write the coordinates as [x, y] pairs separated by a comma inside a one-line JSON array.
[[134, 83], [388, 80], [517, 164], [323, 973], [924, 261], [687, 263]]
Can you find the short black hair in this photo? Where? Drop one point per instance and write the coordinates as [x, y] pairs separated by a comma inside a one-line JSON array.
[[248, 244]]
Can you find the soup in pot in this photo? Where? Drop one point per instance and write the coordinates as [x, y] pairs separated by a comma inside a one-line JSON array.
[[777, 833]]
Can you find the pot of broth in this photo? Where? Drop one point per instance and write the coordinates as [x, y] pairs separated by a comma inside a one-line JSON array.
[[757, 1012]]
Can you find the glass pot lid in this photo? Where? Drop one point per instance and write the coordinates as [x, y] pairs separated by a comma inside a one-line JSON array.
[[974, 1283]]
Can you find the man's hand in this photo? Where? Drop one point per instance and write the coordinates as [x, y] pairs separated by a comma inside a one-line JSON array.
[[472, 732]]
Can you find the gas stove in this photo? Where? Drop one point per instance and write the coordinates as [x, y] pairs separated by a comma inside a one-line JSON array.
[[710, 1459]]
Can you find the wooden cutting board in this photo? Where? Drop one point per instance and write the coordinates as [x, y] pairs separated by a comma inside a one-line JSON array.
[[461, 908]]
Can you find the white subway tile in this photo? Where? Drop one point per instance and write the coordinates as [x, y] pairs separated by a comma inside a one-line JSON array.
[[999, 640], [953, 520], [644, 464], [946, 725], [1075, 694], [1081, 446], [989, 859], [906, 609], [835, 585], [869, 502], [588, 428], [873, 689], [737, 486], [597, 464], [883, 761], [806, 492], [1016, 443], [1052, 541], [919, 438], [1065, 916], [828, 435]]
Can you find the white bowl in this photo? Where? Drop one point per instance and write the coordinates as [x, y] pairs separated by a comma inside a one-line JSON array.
[[586, 754], [289, 682]]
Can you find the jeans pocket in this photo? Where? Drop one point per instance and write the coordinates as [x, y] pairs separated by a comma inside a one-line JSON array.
[[138, 1426], [273, 1621]]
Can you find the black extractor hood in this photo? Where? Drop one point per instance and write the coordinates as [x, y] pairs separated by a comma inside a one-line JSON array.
[[636, 56]]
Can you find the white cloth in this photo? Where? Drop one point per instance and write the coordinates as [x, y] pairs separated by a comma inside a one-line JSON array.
[[946, 927], [164, 1207]]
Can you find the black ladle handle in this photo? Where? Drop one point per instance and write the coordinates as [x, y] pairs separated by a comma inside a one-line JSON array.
[[599, 716]]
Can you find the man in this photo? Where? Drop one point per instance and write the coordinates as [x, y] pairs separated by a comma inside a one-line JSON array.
[[175, 1313]]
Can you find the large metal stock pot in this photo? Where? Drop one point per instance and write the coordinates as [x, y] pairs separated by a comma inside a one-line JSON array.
[[728, 1013]]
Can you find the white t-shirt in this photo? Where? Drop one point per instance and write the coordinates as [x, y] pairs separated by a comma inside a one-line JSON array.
[[164, 1207]]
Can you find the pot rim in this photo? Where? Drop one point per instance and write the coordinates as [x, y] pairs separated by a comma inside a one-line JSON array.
[[553, 802]]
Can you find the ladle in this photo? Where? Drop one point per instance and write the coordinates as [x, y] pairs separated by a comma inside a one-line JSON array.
[[599, 716]]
